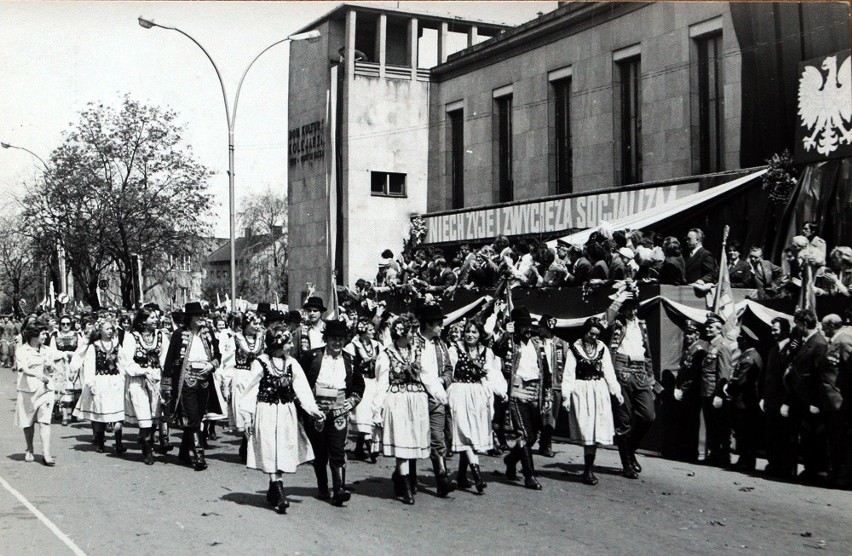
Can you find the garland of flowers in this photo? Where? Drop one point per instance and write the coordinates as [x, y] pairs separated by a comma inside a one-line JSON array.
[[780, 179], [416, 234]]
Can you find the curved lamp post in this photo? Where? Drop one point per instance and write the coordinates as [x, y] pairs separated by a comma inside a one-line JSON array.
[[231, 116], [8, 146]]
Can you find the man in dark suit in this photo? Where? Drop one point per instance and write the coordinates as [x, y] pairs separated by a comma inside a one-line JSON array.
[[835, 378], [802, 401], [582, 266], [738, 269], [766, 276], [338, 386], [700, 265], [779, 453]]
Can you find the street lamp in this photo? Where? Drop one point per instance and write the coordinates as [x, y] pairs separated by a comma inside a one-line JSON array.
[[8, 146], [231, 116]]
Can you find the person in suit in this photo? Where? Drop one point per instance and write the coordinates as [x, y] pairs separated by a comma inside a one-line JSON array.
[[801, 405], [338, 386], [835, 378], [673, 271], [700, 264], [687, 392], [739, 270], [766, 276], [741, 390], [771, 391], [555, 349], [582, 269], [597, 255]]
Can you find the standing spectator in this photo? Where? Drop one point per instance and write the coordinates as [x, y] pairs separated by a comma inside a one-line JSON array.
[[673, 271], [738, 269], [715, 372], [687, 392], [597, 255], [835, 396], [555, 349], [766, 276], [741, 389], [621, 264], [772, 393], [700, 264], [838, 274], [582, 269], [483, 270], [802, 402], [814, 250]]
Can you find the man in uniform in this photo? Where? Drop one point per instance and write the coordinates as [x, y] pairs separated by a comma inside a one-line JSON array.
[[741, 390], [631, 359], [687, 386], [555, 350], [780, 461], [835, 397], [715, 372], [187, 384], [338, 387]]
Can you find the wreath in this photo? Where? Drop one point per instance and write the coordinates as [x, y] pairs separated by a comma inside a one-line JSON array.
[[780, 179]]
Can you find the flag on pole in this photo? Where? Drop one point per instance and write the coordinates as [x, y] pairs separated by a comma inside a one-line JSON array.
[[334, 302], [807, 295], [218, 301], [723, 299]]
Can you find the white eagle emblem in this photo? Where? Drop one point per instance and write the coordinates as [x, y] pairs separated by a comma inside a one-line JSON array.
[[825, 105]]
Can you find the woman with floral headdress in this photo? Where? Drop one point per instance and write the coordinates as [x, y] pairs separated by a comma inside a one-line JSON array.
[[477, 378], [365, 351], [102, 400], [248, 345], [401, 405], [277, 441]]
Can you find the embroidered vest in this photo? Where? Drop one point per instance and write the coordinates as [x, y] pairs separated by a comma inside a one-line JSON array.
[[147, 357], [105, 362], [588, 368], [67, 343], [242, 358], [276, 389], [467, 369]]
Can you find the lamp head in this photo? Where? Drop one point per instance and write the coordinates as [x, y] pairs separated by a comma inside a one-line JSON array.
[[5, 145], [146, 23], [310, 36]]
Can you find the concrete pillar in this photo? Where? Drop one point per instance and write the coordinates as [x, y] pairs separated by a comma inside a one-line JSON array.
[[412, 47], [383, 43], [472, 35], [442, 42], [349, 53]]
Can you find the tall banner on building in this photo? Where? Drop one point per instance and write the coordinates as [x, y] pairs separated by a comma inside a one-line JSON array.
[[824, 124]]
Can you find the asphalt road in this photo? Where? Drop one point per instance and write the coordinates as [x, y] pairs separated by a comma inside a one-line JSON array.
[[104, 504]]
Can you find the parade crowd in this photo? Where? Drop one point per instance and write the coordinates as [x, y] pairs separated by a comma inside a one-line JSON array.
[[294, 386]]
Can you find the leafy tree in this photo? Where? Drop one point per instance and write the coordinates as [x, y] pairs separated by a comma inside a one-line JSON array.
[[19, 271], [264, 259], [121, 183]]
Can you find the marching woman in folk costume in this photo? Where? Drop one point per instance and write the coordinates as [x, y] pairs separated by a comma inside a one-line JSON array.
[[337, 385], [365, 351], [102, 400], [141, 356], [587, 384], [401, 405], [67, 340], [248, 345], [34, 363], [187, 384], [277, 442], [477, 378]]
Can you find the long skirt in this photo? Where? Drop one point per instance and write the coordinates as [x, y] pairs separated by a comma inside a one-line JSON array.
[[106, 403], [34, 407], [141, 401], [472, 412], [239, 382], [219, 385], [278, 442], [405, 425], [71, 385], [591, 419], [362, 416]]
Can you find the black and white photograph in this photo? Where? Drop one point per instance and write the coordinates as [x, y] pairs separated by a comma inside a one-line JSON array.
[[484, 277]]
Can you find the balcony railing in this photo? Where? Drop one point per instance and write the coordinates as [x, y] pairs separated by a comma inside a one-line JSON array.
[[371, 69]]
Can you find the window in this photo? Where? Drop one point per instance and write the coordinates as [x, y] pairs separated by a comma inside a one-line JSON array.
[[503, 133], [630, 108], [710, 103], [562, 135], [455, 123], [388, 184]]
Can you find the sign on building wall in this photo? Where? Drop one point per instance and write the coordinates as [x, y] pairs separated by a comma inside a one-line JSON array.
[[307, 142], [550, 216], [824, 124]]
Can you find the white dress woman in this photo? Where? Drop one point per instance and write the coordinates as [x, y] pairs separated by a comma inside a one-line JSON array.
[[587, 384], [34, 363], [67, 340], [248, 345], [277, 442], [365, 351]]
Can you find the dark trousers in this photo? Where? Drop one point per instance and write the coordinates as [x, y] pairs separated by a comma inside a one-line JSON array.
[[193, 406], [526, 420], [437, 429], [637, 411], [329, 444], [746, 423], [688, 426], [839, 443], [780, 452], [718, 441], [552, 418], [809, 431]]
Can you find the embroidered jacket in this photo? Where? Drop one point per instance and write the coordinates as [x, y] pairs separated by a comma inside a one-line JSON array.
[[511, 354], [174, 376]]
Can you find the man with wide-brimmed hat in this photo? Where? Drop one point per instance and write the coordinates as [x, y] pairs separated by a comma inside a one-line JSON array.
[[529, 379], [555, 349], [309, 336], [436, 375], [187, 384], [338, 387]]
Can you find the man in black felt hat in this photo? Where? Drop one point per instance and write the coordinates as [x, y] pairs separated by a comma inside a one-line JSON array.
[[187, 385], [338, 387], [263, 310], [530, 398], [744, 407], [309, 336], [436, 375], [555, 349], [634, 368]]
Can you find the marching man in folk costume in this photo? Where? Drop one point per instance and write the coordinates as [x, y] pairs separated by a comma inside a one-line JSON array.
[[309, 336], [436, 376], [529, 383], [277, 442], [187, 383], [555, 349], [338, 386], [631, 355]]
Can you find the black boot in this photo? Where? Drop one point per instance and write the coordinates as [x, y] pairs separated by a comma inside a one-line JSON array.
[[145, 443], [511, 460], [545, 443], [461, 476], [281, 504], [185, 451], [211, 432], [272, 493], [412, 475], [624, 453], [119, 445], [636, 436], [371, 456], [407, 491], [398, 488], [477, 478], [98, 437], [444, 484], [198, 462], [164, 447], [589, 470], [340, 494], [244, 450], [321, 472], [528, 469], [359, 453]]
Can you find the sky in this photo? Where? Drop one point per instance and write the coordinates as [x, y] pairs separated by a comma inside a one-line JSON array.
[[58, 56]]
